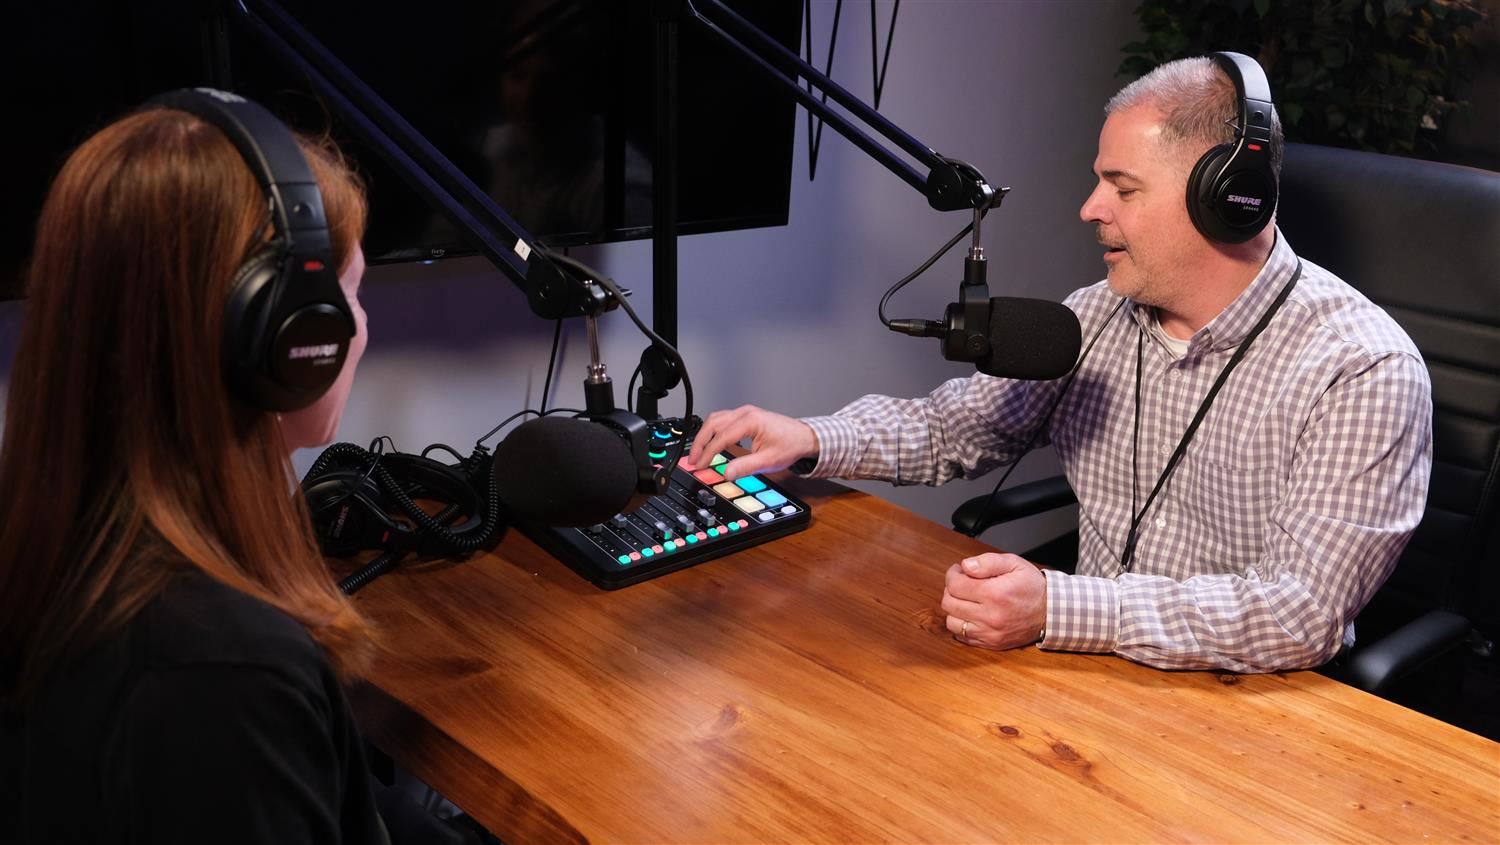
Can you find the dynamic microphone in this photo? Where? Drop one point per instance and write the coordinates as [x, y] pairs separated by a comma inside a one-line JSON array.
[[564, 471], [1006, 336], [1032, 339], [1029, 339]]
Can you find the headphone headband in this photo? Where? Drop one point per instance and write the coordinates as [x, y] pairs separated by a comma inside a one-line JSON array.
[[1253, 91], [267, 148]]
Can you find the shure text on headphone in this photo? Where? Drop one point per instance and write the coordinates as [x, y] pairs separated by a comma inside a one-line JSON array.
[[1253, 202], [321, 350]]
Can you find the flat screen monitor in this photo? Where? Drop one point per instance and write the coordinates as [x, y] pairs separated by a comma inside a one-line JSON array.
[[546, 105]]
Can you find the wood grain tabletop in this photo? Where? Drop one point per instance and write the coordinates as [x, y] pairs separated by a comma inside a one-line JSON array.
[[805, 690]]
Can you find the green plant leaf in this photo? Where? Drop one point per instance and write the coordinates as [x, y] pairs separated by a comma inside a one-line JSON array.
[[1361, 73]]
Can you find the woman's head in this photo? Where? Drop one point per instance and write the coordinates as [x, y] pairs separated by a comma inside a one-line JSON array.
[[136, 247], [120, 431]]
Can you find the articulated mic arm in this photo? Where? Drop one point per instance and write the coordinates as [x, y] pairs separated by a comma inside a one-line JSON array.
[[950, 184], [551, 291]]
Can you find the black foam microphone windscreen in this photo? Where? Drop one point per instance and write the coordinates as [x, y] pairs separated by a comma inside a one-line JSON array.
[[563, 471], [1031, 339]]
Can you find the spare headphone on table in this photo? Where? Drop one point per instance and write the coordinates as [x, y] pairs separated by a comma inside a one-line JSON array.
[[287, 324], [362, 499], [1231, 193]]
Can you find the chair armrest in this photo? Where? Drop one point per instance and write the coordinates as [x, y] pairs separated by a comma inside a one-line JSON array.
[[1375, 667], [1027, 499]]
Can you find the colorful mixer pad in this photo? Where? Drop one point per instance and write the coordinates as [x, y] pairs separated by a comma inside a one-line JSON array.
[[701, 516]]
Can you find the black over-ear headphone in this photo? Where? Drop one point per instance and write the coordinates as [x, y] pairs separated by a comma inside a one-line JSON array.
[[1231, 193], [362, 500], [287, 325]]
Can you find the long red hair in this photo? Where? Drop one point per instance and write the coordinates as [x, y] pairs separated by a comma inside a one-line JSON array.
[[124, 460]]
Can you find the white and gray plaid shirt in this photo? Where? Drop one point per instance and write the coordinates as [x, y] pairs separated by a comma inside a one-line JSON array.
[[1287, 512]]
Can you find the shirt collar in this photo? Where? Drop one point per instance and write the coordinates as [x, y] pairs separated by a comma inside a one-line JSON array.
[[1235, 322]]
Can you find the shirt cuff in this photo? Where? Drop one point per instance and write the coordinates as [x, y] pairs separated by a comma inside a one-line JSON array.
[[837, 455], [1083, 613]]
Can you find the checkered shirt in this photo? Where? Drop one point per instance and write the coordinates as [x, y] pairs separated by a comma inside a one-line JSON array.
[[1287, 512]]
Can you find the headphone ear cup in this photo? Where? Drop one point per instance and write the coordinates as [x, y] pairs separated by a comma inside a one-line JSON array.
[[1231, 198], [349, 512], [281, 355], [246, 321], [1201, 207]]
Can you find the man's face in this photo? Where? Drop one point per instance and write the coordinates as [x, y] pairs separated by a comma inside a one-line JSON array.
[[1140, 211]]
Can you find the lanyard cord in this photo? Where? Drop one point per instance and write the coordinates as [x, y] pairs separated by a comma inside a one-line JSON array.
[[1127, 558], [989, 505]]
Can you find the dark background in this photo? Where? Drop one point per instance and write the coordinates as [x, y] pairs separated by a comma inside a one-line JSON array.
[[573, 81]]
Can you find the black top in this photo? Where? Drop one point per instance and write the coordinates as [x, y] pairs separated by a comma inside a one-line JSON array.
[[212, 717]]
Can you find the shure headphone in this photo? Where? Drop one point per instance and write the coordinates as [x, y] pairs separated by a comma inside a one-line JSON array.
[[363, 500], [1231, 193], [287, 325]]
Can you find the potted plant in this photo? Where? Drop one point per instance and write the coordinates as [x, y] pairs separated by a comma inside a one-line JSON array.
[[1376, 75]]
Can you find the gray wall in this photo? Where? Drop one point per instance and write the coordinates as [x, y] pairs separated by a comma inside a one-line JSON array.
[[785, 317]]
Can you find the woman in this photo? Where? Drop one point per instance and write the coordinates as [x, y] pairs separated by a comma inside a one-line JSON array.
[[171, 644]]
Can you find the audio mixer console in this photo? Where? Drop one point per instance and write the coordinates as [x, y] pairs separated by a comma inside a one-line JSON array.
[[700, 516]]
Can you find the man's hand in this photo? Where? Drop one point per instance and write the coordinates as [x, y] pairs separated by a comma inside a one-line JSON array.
[[776, 441], [996, 601]]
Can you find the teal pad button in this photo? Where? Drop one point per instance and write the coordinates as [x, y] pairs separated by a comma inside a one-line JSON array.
[[771, 498], [751, 484]]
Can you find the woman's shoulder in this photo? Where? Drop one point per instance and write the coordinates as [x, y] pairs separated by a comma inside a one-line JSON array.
[[199, 621]]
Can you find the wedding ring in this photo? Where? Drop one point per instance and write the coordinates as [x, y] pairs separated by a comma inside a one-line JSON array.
[[963, 630]]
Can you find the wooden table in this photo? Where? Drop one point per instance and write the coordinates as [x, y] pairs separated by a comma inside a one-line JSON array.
[[807, 691]]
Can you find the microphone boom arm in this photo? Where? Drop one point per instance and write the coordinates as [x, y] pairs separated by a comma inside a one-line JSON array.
[[551, 292], [950, 184]]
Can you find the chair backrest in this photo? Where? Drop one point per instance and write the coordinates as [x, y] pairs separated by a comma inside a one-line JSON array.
[[1422, 240]]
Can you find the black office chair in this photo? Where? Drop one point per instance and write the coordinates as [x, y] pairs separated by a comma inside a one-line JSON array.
[[1422, 240]]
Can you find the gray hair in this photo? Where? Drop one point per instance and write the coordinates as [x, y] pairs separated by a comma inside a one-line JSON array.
[[1198, 104]]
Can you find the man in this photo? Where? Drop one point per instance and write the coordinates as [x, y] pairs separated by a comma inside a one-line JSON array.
[[1291, 498]]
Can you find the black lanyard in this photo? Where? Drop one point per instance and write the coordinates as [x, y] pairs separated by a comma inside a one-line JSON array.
[[1128, 556]]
